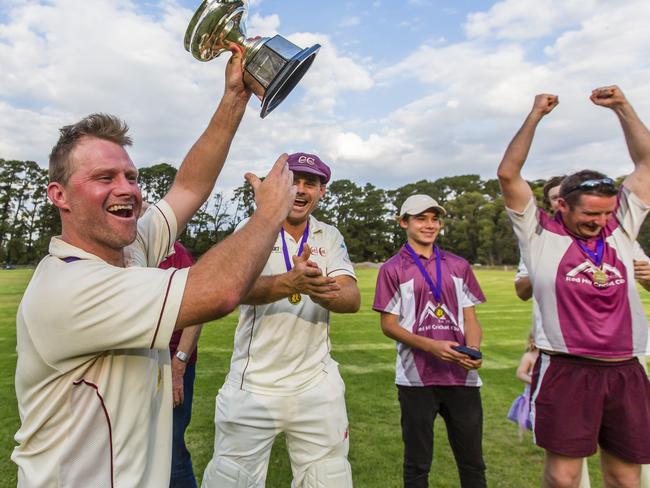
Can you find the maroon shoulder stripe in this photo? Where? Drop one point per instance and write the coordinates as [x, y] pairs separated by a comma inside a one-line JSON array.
[[108, 421], [339, 269], [169, 284], [169, 230]]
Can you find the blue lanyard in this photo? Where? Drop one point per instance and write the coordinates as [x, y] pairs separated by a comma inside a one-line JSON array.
[[285, 251], [596, 257], [436, 288]]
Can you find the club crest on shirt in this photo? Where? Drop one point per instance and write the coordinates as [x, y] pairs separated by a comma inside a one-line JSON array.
[[431, 319], [318, 251], [587, 273]]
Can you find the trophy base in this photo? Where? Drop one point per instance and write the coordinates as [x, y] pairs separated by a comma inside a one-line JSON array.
[[287, 79], [275, 68]]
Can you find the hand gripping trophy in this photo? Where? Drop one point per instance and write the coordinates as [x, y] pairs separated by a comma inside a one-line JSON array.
[[272, 66]]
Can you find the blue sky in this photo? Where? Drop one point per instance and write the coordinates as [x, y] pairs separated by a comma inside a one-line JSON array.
[[400, 90]]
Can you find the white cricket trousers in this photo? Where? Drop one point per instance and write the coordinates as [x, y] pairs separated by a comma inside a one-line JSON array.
[[315, 424]]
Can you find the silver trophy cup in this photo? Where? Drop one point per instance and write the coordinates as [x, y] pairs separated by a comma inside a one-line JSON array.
[[272, 66]]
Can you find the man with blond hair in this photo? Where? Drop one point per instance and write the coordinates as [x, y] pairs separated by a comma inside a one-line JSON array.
[[93, 378]]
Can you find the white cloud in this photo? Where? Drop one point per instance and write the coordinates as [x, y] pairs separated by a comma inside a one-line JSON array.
[[529, 19], [477, 93], [71, 58], [454, 106], [332, 73], [258, 25], [64, 59]]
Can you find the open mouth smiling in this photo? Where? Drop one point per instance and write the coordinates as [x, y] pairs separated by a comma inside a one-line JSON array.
[[123, 211], [300, 202]]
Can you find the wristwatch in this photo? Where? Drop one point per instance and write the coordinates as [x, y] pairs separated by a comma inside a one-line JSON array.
[[182, 356]]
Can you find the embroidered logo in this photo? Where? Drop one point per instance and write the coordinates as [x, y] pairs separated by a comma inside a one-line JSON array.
[[318, 250], [431, 319], [588, 273], [307, 160]]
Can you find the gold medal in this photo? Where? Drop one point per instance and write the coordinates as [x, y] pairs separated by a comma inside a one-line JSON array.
[[439, 312], [600, 276], [295, 299]]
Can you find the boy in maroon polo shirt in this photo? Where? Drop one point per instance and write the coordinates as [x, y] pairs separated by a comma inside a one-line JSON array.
[[426, 297]]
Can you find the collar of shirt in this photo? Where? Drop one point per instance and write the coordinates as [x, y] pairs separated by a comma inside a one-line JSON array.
[[406, 254], [314, 227], [61, 249]]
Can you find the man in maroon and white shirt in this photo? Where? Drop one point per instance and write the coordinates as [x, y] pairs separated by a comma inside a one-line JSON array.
[[588, 389], [427, 298]]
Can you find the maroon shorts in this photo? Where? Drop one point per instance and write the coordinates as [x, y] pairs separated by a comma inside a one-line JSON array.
[[578, 404]]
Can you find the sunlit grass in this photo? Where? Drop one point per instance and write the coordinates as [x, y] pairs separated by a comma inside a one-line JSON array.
[[366, 360]]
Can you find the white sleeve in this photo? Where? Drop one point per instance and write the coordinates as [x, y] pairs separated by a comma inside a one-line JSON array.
[[638, 254], [156, 234], [241, 224], [524, 225], [102, 308], [522, 270], [471, 294], [338, 261], [631, 212]]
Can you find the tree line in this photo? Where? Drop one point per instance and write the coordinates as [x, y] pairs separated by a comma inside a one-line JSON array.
[[476, 227]]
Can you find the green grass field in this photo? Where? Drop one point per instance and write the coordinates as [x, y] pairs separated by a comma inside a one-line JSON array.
[[367, 360]]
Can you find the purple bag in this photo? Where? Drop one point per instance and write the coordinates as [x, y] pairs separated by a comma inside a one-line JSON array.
[[519, 412]]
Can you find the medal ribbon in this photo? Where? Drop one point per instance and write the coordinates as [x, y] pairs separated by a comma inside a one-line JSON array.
[[436, 288], [285, 250], [596, 257]]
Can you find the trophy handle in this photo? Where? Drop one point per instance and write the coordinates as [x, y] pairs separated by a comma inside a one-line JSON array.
[[216, 25]]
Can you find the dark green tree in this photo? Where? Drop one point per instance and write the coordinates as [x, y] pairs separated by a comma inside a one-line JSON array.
[[23, 197], [208, 226], [476, 227], [362, 215], [155, 181], [243, 201]]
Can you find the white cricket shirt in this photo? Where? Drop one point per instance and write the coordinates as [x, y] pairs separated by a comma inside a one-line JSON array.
[[93, 377], [281, 348]]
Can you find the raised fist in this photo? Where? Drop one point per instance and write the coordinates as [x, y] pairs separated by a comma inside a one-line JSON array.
[[608, 96], [545, 103]]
